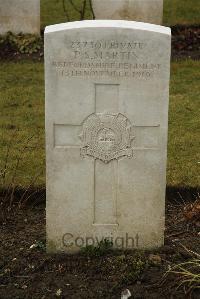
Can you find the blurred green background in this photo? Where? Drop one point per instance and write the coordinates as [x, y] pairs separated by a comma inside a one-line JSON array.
[[175, 12]]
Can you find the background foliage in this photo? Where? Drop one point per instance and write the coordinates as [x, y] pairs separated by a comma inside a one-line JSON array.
[[175, 12]]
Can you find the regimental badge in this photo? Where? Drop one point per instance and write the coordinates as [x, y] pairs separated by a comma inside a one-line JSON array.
[[106, 137]]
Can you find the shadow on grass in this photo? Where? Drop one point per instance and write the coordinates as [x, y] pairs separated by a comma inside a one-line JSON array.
[[182, 194], [37, 195]]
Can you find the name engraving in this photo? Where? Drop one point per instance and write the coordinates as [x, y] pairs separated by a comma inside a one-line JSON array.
[[106, 59]]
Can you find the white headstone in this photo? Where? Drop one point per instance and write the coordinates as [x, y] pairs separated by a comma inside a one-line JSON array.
[[149, 11], [20, 16], [107, 88]]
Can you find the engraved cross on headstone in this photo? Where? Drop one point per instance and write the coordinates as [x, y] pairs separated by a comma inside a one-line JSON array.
[[106, 174]]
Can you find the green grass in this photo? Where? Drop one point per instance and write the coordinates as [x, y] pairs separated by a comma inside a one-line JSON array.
[[52, 12], [184, 127], [175, 12], [181, 12], [22, 117]]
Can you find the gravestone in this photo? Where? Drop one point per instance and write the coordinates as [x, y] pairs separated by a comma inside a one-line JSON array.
[[107, 88], [149, 11], [20, 16]]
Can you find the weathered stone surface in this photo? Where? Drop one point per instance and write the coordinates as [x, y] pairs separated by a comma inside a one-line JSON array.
[[107, 85], [149, 11], [20, 16]]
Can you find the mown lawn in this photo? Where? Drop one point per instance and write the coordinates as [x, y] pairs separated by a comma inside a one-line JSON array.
[[175, 12], [181, 12], [52, 12], [184, 125], [22, 156], [22, 122]]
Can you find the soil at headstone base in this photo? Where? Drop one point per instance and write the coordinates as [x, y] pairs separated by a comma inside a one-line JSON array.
[[27, 271], [185, 44]]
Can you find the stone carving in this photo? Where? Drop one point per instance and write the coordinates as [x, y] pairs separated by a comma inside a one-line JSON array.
[[106, 137]]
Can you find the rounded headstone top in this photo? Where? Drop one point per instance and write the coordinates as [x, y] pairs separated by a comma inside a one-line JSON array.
[[108, 24]]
